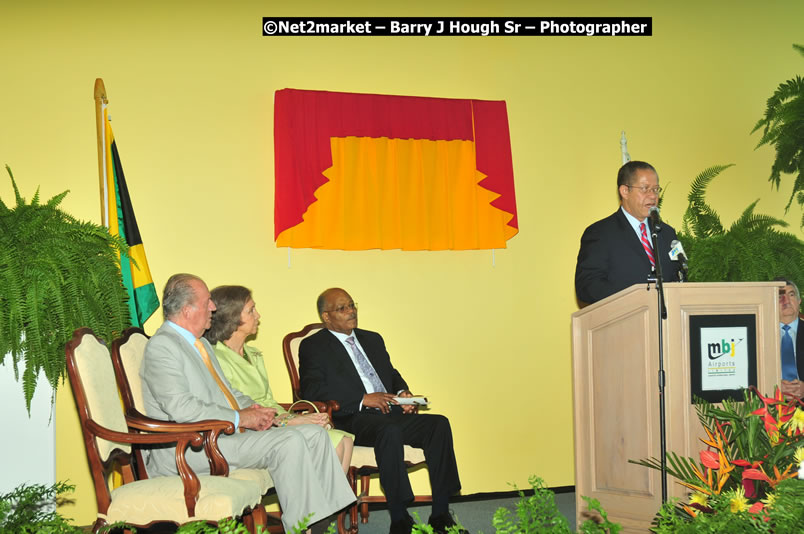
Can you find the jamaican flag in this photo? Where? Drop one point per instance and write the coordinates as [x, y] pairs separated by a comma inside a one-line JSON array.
[[119, 218]]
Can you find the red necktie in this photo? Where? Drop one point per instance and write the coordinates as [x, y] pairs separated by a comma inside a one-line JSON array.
[[646, 244]]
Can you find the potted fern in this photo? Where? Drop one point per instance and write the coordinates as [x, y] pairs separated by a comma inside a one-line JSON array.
[[753, 248], [56, 274]]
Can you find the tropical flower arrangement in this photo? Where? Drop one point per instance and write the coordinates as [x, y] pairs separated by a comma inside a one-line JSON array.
[[753, 447]]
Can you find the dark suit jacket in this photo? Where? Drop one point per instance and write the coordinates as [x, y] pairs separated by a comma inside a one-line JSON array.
[[327, 373], [800, 349], [612, 258]]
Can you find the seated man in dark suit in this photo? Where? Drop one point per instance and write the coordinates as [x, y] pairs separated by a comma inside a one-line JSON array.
[[616, 252], [352, 366], [792, 339]]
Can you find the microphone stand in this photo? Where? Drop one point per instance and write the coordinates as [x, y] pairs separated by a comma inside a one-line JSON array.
[[654, 229]]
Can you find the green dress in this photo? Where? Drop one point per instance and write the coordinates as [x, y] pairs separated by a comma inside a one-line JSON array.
[[248, 376]]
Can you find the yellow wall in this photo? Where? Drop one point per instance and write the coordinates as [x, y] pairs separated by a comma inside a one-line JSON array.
[[191, 87]]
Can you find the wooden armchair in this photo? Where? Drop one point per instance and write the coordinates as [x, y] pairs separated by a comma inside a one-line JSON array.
[[141, 501], [363, 463]]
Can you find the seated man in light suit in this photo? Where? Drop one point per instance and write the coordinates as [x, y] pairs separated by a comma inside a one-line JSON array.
[[183, 382], [792, 339], [351, 366]]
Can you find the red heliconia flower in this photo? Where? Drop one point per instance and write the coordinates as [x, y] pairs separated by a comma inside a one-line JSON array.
[[771, 425], [756, 507], [785, 413], [710, 459], [767, 401], [746, 463], [755, 474], [748, 486], [720, 425]]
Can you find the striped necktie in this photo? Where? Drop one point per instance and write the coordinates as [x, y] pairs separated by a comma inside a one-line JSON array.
[[365, 366], [646, 244]]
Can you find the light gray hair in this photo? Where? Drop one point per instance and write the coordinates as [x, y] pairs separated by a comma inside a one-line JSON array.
[[178, 294], [788, 282]]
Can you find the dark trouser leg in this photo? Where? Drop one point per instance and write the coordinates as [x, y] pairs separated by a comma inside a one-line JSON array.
[[388, 433], [433, 434], [384, 434]]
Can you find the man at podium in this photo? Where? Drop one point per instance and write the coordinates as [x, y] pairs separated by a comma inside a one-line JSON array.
[[616, 252], [792, 339]]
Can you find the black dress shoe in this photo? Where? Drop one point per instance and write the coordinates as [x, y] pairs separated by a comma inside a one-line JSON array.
[[402, 526], [441, 523]]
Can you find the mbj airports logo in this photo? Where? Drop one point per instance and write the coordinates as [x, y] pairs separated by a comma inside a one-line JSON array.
[[727, 356], [723, 348]]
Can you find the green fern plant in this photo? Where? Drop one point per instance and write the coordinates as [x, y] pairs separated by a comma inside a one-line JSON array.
[[753, 248], [783, 127], [30, 509], [56, 274]]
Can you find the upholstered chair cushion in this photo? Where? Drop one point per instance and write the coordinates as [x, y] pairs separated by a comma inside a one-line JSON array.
[[141, 501], [261, 477], [364, 456]]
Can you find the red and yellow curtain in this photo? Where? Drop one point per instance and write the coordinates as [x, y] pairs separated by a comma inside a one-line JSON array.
[[357, 172]]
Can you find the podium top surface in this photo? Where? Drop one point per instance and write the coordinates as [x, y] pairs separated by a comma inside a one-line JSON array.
[[670, 287]]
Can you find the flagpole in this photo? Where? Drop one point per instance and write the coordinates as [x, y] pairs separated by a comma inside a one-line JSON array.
[[100, 101]]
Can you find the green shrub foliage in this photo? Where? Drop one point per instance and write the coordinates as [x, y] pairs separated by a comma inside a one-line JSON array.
[[31, 509]]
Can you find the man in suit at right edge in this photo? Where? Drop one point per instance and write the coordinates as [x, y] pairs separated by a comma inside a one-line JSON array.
[[344, 363], [792, 339], [616, 252]]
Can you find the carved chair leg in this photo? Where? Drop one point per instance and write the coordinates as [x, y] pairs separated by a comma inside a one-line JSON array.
[[256, 518], [248, 521], [364, 492], [341, 522], [259, 517], [351, 477]]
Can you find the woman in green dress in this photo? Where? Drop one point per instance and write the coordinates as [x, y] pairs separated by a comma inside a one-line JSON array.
[[235, 319]]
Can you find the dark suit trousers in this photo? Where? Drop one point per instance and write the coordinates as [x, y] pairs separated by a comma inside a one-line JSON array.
[[388, 433]]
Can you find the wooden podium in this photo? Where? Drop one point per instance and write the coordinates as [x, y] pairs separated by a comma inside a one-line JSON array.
[[615, 366]]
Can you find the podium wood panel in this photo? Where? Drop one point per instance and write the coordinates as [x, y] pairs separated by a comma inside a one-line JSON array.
[[616, 392]]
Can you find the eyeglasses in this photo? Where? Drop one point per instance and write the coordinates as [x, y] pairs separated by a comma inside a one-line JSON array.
[[352, 306], [645, 189]]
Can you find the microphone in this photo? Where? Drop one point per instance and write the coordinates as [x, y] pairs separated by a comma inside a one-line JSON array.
[[677, 254], [653, 215]]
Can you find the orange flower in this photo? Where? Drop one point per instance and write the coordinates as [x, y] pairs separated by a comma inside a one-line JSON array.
[[692, 511]]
